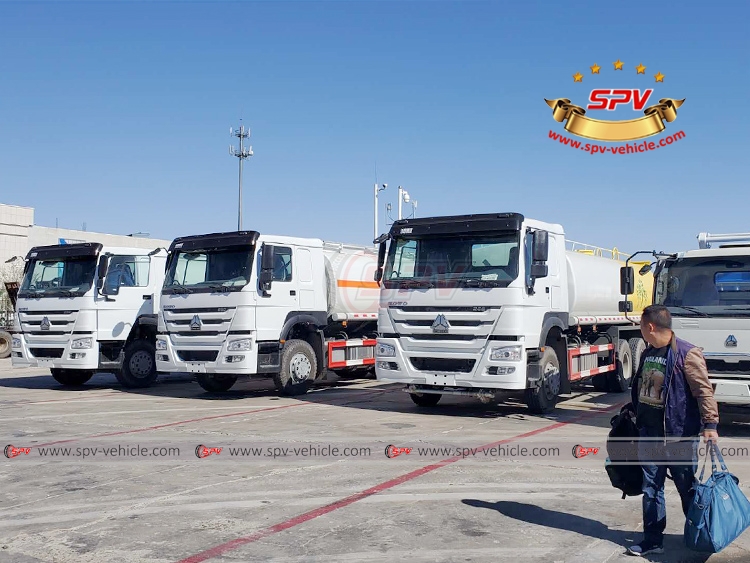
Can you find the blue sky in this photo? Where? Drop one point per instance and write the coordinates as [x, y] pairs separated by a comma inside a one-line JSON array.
[[117, 114]]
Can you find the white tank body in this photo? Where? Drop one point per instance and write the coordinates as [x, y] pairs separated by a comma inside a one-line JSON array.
[[352, 290], [593, 285]]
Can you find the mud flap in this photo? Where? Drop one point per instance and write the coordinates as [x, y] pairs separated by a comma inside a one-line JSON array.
[[533, 375]]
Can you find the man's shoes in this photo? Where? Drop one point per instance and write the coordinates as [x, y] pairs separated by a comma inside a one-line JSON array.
[[645, 547]]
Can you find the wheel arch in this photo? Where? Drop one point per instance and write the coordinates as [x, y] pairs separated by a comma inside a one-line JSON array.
[[553, 331]]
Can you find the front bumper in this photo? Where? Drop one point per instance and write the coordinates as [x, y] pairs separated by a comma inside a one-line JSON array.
[[482, 375], [37, 355], [730, 391], [206, 359]]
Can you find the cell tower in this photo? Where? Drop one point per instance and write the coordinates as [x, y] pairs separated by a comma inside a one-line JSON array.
[[242, 154]]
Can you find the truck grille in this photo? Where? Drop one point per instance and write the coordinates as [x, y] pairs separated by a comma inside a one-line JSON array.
[[461, 365], [47, 352], [720, 366], [197, 355]]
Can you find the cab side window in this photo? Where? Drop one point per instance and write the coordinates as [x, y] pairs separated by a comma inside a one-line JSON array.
[[127, 271], [282, 270]]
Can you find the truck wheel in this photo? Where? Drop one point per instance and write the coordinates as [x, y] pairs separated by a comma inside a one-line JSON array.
[[216, 383], [637, 347], [619, 380], [298, 368], [543, 399], [425, 400], [139, 365], [5, 344], [71, 377]]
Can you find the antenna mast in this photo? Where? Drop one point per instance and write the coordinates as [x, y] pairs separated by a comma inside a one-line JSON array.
[[242, 154]]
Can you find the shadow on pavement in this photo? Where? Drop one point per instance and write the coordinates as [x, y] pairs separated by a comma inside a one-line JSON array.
[[674, 550]]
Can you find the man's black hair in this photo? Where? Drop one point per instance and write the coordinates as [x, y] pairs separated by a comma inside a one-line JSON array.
[[658, 315]]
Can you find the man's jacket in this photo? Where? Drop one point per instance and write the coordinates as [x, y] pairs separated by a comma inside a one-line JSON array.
[[689, 404]]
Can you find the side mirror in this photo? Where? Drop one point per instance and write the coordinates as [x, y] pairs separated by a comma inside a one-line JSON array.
[[381, 257], [539, 271], [625, 306], [267, 262], [540, 248], [102, 271], [627, 280], [267, 257], [645, 269], [265, 279]]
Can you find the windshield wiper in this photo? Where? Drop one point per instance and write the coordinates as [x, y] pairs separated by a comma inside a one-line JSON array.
[[692, 310], [177, 287], [473, 282], [32, 295], [221, 288], [415, 283]]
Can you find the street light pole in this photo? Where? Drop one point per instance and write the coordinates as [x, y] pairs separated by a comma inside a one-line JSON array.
[[242, 154]]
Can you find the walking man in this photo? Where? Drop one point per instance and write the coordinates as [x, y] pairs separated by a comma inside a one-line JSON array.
[[674, 404]]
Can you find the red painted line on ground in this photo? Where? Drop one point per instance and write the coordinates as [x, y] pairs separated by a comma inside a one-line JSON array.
[[323, 510], [180, 422]]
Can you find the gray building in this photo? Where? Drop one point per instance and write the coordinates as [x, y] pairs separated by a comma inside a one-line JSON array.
[[18, 234]]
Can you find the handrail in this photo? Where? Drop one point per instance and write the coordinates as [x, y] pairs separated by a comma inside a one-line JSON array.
[[614, 253]]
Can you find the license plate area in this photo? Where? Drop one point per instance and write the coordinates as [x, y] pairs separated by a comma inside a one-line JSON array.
[[196, 367], [440, 379], [46, 363]]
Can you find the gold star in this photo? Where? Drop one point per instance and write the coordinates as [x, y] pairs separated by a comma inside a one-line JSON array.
[[659, 77], [578, 77], [618, 64], [641, 69], [595, 69]]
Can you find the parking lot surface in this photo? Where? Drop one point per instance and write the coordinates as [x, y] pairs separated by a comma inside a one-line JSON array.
[[352, 471]]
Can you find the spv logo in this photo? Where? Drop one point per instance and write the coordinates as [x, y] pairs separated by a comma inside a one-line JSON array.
[[603, 99]]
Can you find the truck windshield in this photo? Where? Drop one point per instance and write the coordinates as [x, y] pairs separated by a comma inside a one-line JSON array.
[[469, 260], [218, 269], [705, 286], [59, 277]]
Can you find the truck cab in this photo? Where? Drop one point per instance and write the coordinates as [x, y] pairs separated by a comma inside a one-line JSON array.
[[87, 307], [707, 291]]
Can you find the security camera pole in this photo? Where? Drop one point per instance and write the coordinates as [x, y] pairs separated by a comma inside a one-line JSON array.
[[377, 189], [403, 197], [242, 154]]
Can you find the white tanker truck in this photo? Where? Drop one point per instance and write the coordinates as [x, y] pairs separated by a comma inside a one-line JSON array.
[[477, 304], [243, 303]]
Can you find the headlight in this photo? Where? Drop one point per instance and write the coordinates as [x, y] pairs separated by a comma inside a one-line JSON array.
[[506, 353], [82, 343], [16, 342], [161, 344], [385, 350], [239, 345]]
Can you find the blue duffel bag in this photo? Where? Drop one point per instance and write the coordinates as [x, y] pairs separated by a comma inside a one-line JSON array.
[[719, 512]]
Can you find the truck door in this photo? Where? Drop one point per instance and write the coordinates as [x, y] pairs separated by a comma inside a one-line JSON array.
[[282, 298], [541, 296], [127, 287]]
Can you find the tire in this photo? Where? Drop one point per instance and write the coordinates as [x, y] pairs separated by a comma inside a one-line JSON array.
[[216, 383], [619, 380], [71, 377], [425, 400], [637, 347], [139, 365], [6, 341], [543, 399], [299, 367]]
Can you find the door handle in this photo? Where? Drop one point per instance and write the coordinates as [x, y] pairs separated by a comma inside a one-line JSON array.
[[292, 292], [147, 297]]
